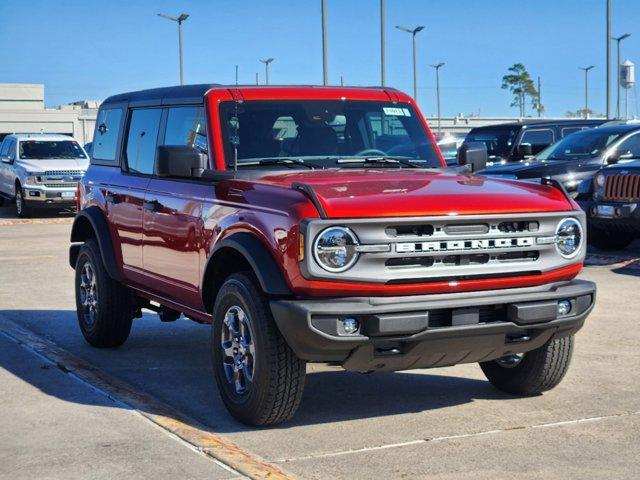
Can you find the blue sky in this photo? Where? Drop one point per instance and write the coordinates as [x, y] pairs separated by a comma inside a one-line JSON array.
[[91, 49]]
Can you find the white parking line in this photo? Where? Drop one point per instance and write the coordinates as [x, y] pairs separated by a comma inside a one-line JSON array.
[[454, 437]]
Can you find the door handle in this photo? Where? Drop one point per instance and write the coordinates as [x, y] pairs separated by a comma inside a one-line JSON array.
[[112, 198], [152, 205]]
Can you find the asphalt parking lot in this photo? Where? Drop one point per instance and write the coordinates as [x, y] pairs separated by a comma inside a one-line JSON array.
[[444, 424]]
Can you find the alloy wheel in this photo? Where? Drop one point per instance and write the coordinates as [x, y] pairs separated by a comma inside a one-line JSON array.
[[238, 349], [89, 294]]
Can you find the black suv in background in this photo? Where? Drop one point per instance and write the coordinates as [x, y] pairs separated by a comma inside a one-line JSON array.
[[612, 202], [509, 142], [577, 157]]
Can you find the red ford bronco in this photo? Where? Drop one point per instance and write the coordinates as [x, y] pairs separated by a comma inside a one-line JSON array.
[[320, 224]]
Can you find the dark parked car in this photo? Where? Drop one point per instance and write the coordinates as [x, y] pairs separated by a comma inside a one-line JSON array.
[[577, 157], [509, 142], [611, 201]]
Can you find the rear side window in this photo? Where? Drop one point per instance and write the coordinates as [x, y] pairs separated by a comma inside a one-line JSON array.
[[105, 138], [569, 130], [142, 138], [186, 126], [538, 137]]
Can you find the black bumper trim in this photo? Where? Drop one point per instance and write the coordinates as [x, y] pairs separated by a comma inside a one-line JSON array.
[[438, 346]]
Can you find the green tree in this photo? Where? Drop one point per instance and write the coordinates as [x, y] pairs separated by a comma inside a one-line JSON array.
[[519, 83]]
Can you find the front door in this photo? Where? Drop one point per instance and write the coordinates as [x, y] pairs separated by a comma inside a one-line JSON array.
[[173, 224]]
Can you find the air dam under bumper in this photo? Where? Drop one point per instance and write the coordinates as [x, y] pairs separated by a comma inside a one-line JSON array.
[[400, 333]]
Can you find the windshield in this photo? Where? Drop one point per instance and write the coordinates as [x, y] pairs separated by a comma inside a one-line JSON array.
[[48, 149], [587, 143], [325, 133], [498, 140]]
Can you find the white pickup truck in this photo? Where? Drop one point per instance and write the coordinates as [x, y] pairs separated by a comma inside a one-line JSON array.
[[40, 171]]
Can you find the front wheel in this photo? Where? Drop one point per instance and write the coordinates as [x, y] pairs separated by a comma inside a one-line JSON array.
[[533, 372], [259, 377], [22, 210]]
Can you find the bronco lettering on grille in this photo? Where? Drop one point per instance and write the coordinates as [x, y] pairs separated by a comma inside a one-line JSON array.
[[462, 245]]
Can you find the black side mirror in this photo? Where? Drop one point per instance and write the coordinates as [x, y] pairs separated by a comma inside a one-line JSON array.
[[473, 154], [180, 161], [525, 150], [6, 160], [617, 155]]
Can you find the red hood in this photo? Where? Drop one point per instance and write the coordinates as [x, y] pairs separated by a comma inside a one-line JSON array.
[[397, 193]]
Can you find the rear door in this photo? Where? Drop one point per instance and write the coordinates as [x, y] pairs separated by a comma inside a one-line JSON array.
[[125, 196], [173, 226]]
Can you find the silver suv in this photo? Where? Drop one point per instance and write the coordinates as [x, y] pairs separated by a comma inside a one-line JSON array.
[[40, 170]]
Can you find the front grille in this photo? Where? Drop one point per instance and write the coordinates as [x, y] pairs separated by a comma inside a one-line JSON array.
[[453, 248], [622, 188], [53, 173], [60, 185]]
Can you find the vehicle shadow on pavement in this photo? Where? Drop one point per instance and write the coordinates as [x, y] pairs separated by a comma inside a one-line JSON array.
[[171, 363]]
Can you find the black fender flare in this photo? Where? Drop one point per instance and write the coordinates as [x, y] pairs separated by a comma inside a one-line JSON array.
[[257, 256], [91, 223]]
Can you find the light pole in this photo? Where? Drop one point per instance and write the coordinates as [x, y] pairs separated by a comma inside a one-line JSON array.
[[413, 32], [608, 45], [618, 40], [586, 89], [325, 68], [437, 66], [179, 19], [383, 76], [266, 62]]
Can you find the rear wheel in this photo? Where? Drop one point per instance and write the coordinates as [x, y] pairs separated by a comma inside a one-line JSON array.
[[533, 372], [22, 210], [259, 377], [104, 306], [608, 240]]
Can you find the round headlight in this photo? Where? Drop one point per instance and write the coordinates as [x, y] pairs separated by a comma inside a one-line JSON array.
[[569, 237], [335, 249], [599, 180]]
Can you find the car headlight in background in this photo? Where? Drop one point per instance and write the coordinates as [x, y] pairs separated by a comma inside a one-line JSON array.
[[335, 249], [32, 177], [599, 180], [569, 237]]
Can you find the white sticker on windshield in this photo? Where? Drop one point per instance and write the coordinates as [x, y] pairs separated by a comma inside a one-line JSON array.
[[397, 112], [406, 111]]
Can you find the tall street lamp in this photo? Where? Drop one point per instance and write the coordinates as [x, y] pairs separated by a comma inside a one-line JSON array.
[[618, 40], [586, 89], [437, 66], [178, 20], [325, 40], [383, 75], [413, 32], [266, 62]]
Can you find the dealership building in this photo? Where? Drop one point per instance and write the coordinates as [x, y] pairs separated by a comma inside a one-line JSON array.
[[22, 110]]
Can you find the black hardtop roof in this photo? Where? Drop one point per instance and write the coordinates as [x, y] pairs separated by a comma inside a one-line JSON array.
[[616, 129], [193, 93], [543, 123]]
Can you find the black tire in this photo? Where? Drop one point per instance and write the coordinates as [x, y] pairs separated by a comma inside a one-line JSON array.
[[22, 210], [538, 371], [272, 376], [1, 201], [104, 316], [608, 240]]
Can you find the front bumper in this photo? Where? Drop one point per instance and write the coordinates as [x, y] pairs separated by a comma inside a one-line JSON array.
[[399, 333], [625, 216], [40, 196]]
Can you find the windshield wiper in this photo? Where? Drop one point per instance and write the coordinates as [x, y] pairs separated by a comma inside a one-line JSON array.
[[377, 160], [288, 162]]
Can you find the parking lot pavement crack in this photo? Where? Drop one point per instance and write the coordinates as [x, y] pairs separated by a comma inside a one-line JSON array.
[[180, 427], [454, 437]]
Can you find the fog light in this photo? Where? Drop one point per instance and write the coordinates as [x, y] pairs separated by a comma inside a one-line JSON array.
[[564, 307], [350, 325]]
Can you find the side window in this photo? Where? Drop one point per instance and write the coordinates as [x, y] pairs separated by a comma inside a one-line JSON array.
[[569, 130], [186, 126], [631, 145], [4, 149], [538, 139], [105, 138], [142, 137]]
